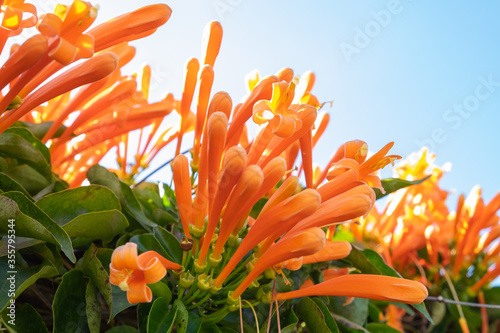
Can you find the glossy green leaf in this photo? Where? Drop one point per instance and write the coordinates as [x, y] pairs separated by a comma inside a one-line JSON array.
[[30, 179], [161, 289], [313, 316], [370, 262], [93, 309], [56, 186], [169, 243], [26, 320], [39, 130], [391, 185], [8, 184], [101, 176], [32, 222], [13, 144], [34, 141], [330, 322], [356, 311], [69, 305], [97, 225], [147, 242], [93, 268], [160, 319], [66, 205]]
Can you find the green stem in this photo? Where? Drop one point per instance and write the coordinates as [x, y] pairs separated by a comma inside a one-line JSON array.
[[200, 302], [216, 316], [192, 298]]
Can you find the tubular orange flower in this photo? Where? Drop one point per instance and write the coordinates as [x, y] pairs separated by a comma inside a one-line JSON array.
[[333, 250], [182, 182], [351, 204], [276, 221], [131, 26], [233, 164], [192, 67], [132, 272], [249, 183], [300, 244], [212, 38], [206, 81], [26, 56], [379, 287], [89, 71]]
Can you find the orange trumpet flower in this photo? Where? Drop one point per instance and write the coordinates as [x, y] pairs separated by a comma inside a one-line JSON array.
[[379, 287], [131, 272]]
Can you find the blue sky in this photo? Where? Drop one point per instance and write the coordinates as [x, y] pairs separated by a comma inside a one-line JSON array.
[[414, 72]]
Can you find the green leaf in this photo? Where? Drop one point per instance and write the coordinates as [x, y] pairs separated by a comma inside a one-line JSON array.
[[24, 278], [391, 185], [66, 205], [101, 176], [181, 320], [330, 322], [370, 262], [26, 320], [313, 316], [69, 306], [34, 141], [347, 326], [20, 144], [32, 222], [93, 308], [30, 179], [161, 289], [381, 328], [373, 312], [97, 225], [161, 320], [143, 310], [56, 186], [39, 130], [122, 329], [194, 323], [169, 243], [120, 301], [93, 268], [8, 184], [147, 242], [3, 164], [356, 311]]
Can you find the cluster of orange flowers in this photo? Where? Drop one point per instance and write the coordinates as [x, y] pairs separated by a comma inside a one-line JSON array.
[[232, 173], [106, 107], [464, 244]]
